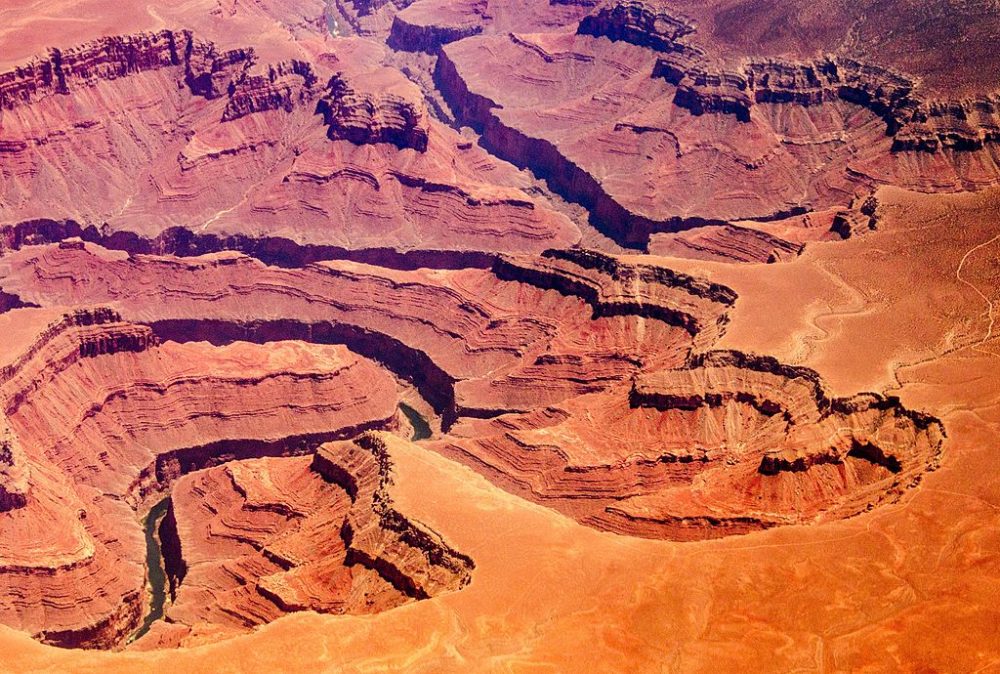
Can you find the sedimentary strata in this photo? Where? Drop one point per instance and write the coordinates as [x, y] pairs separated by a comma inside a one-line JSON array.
[[227, 273], [99, 417], [650, 107], [252, 540], [916, 123], [157, 118], [576, 379], [376, 114], [207, 72]]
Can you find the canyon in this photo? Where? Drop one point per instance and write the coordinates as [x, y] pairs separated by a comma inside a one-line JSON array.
[[490, 335]]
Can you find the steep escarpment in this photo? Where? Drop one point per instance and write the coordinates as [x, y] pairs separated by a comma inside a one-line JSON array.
[[729, 443], [704, 84], [134, 153], [580, 380], [471, 341], [99, 417], [388, 110], [427, 25], [663, 136], [255, 539], [616, 288], [641, 24], [207, 72], [14, 474], [282, 87], [410, 557], [526, 122]]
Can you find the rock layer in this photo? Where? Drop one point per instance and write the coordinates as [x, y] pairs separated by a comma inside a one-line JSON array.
[[576, 379], [252, 540], [157, 118], [656, 134], [100, 417]]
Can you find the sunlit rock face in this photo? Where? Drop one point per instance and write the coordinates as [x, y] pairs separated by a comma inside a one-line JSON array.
[[269, 270]]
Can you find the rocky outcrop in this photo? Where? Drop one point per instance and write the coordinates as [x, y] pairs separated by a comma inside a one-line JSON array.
[[99, 417], [388, 109], [145, 142], [728, 444], [641, 24], [252, 540], [726, 243], [614, 288], [566, 378], [914, 122], [427, 25], [14, 474], [420, 27], [861, 218], [472, 341], [411, 558], [283, 87], [627, 227], [206, 71]]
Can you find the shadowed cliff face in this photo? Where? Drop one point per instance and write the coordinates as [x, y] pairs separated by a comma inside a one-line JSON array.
[[575, 379], [228, 268], [102, 420]]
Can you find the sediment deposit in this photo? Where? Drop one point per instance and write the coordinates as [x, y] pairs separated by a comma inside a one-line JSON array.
[[474, 335]]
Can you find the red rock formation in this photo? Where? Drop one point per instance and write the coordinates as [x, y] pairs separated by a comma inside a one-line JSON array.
[[98, 417], [389, 110], [728, 444], [224, 263], [781, 138], [285, 86], [259, 538], [135, 152], [471, 342], [566, 378]]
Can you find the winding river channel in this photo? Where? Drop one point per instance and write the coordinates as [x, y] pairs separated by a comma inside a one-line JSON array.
[[156, 574]]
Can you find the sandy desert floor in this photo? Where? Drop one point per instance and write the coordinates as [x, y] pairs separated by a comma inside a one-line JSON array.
[[910, 309]]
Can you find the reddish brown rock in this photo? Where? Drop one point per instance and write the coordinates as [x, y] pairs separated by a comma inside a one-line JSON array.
[[252, 540], [711, 142], [576, 379], [389, 110], [99, 417], [155, 121]]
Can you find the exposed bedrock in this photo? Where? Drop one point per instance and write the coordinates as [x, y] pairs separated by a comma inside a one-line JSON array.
[[14, 473], [412, 558], [99, 417], [576, 161], [725, 243], [143, 154], [283, 87], [648, 170], [640, 24], [388, 109], [417, 29], [613, 288], [728, 444], [427, 25], [207, 72], [567, 379], [916, 123], [544, 158], [251, 540], [472, 343], [182, 242]]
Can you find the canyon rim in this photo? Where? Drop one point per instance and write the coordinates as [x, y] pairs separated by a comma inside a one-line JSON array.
[[499, 336]]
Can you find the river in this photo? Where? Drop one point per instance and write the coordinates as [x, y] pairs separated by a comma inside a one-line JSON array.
[[421, 429], [154, 565]]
